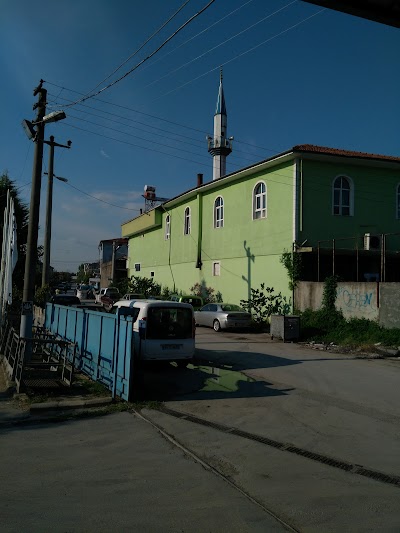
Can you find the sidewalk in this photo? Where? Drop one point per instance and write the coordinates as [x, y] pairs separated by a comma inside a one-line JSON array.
[[19, 408]]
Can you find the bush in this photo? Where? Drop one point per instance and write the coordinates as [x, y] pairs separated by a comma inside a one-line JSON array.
[[143, 285], [42, 295], [330, 326], [207, 293], [264, 303]]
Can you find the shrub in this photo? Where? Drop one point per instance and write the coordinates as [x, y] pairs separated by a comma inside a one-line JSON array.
[[207, 293], [143, 285], [263, 303]]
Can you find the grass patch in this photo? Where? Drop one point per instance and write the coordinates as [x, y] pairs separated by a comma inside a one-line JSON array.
[[330, 326]]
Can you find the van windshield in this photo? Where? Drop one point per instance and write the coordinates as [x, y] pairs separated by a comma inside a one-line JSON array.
[[169, 323]]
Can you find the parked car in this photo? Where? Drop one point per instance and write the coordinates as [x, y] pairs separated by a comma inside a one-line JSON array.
[[195, 301], [85, 292], [107, 297], [162, 331], [133, 296], [222, 316], [65, 299]]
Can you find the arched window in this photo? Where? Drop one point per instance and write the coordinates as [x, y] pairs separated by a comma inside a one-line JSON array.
[[398, 202], [260, 201], [219, 212], [342, 196], [167, 227], [186, 228]]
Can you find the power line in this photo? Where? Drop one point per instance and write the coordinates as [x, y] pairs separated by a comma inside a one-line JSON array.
[[143, 45], [150, 140], [198, 34], [133, 144], [266, 178], [126, 108], [242, 53], [221, 44], [147, 57], [100, 199], [121, 117]]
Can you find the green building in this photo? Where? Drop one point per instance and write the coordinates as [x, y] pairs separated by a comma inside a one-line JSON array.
[[337, 211]]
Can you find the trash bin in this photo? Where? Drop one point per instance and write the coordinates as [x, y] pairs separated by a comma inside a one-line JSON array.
[[285, 327]]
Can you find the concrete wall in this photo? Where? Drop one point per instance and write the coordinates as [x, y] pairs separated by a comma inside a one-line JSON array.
[[358, 300], [308, 295], [389, 298], [374, 301]]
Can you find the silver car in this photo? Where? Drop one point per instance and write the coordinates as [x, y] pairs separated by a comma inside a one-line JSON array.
[[222, 316]]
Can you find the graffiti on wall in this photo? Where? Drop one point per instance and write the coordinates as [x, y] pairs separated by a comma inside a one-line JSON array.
[[356, 302]]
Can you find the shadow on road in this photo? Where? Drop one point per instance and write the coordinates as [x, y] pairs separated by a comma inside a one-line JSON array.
[[201, 382], [238, 360]]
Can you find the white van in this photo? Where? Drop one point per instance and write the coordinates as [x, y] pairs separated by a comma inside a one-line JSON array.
[[162, 331]]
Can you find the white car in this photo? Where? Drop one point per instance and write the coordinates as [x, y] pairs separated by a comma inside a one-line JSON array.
[[133, 296]]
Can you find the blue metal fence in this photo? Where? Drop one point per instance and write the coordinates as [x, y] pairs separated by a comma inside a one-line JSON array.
[[103, 342]]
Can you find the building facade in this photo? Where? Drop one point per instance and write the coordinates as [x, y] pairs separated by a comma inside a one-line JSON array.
[[339, 210], [113, 259]]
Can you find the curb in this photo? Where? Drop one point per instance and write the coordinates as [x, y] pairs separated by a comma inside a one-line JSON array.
[[61, 405]]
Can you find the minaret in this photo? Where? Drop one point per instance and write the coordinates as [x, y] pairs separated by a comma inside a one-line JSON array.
[[219, 146]]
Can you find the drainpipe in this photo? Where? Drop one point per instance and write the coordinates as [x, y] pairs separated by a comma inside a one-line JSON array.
[[199, 262]]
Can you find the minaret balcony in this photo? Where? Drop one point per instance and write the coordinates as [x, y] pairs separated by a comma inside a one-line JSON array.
[[216, 143]]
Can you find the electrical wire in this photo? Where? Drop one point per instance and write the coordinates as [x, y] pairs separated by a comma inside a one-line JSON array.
[[223, 43], [317, 188], [133, 144], [141, 46], [100, 199], [242, 54], [147, 57], [151, 140], [197, 34], [121, 117]]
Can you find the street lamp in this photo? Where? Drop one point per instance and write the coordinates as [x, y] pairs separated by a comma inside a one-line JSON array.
[[33, 223], [49, 209]]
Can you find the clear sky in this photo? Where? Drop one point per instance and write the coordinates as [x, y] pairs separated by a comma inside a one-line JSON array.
[[294, 73]]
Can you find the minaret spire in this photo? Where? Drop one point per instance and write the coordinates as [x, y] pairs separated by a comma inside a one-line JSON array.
[[219, 146]]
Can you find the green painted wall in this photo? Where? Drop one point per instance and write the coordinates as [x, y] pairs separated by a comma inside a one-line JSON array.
[[248, 250], [374, 204]]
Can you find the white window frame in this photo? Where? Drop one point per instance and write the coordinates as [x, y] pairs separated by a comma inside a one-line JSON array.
[[219, 212], [216, 268], [167, 234], [351, 196], [398, 201], [259, 212], [187, 221]]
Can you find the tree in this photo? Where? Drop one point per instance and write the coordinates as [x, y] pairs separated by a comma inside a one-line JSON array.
[[21, 215], [82, 276]]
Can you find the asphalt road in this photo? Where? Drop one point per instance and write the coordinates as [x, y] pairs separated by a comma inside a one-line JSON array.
[[329, 404], [115, 473], [118, 473]]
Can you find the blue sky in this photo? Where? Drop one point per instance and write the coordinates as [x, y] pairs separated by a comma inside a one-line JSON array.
[[293, 74]]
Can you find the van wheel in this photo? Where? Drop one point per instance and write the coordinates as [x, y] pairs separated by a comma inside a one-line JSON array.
[[183, 363], [216, 325]]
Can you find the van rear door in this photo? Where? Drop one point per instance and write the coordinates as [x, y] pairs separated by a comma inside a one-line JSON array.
[[169, 333]]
